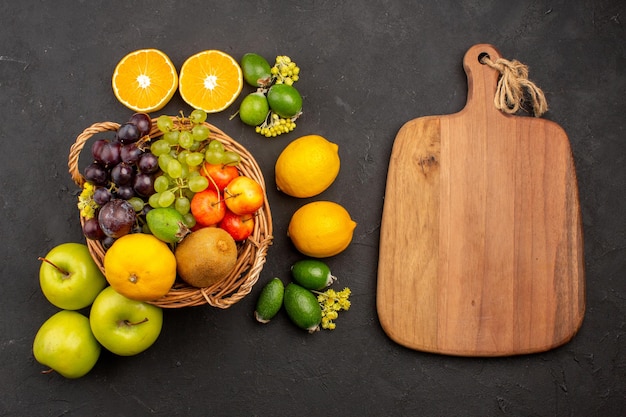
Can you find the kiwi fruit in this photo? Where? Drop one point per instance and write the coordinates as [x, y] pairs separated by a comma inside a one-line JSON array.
[[206, 256]]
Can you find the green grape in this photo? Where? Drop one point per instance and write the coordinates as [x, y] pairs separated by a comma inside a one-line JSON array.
[[166, 198], [189, 220], [137, 203], [182, 155], [164, 161], [194, 158], [171, 137], [200, 133], [165, 123], [216, 145], [161, 183], [231, 158], [198, 116], [174, 169], [159, 147], [198, 183], [182, 205], [153, 200], [185, 169], [196, 146], [185, 139], [213, 157]]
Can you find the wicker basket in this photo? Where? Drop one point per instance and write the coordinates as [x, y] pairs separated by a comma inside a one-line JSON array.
[[251, 253]]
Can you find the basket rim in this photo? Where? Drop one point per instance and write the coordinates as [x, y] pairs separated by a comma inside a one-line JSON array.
[[252, 253]]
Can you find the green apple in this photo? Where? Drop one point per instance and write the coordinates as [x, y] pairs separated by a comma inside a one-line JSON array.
[[69, 277], [66, 344], [123, 326]]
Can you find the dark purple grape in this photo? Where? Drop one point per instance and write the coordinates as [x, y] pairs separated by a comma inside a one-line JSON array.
[[128, 133], [144, 184], [122, 174], [96, 174], [148, 163], [116, 218], [107, 242], [96, 148], [109, 154], [130, 153], [125, 192], [101, 196], [92, 230], [143, 123]]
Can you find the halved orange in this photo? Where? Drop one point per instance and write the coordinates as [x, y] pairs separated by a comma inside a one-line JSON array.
[[145, 80], [210, 80]]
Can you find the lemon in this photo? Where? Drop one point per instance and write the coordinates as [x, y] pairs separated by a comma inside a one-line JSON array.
[[307, 166], [321, 229], [302, 307], [270, 300], [140, 267]]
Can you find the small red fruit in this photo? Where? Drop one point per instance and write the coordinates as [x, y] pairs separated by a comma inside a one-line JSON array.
[[243, 195], [219, 174], [238, 226], [207, 207]]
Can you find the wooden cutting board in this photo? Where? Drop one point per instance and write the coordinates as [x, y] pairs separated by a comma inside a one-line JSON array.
[[481, 246]]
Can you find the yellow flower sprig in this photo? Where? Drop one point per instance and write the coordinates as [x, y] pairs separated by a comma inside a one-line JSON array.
[[86, 205], [332, 302], [285, 71]]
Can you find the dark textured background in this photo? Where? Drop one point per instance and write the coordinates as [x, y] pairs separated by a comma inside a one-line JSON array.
[[366, 69]]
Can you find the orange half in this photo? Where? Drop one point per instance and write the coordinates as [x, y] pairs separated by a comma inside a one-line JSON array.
[[210, 80], [145, 80]]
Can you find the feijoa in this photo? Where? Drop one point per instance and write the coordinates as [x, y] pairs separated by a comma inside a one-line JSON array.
[[302, 307], [312, 274], [256, 70], [284, 100], [167, 224], [270, 300], [253, 109]]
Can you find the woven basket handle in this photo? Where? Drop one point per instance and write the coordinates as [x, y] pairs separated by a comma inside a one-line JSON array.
[[78, 145]]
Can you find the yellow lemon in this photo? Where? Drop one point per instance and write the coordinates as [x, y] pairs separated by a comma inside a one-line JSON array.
[[307, 166], [321, 229], [140, 267]]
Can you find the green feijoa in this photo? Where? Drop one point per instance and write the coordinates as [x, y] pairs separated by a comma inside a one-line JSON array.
[[312, 274], [167, 224], [256, 70], [270, 300], [284, 100], [302, 307], [253, 109]]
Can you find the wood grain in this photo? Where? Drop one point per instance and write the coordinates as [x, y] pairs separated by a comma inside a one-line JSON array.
[[481, 248]]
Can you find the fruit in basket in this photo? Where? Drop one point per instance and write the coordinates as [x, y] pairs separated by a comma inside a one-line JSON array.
[[270, 301], [254, 109], [207, 207], [244, 195], [219, 175], [140, 267], [117, 218], [321, 229], [302, 307], [206, 256], [210, 80], [256, 70], [284, 100], [167, 224], [307, 166], [66, 344], [145, 80], [312, 274], [69, 278], [123, 326], [239, 226]]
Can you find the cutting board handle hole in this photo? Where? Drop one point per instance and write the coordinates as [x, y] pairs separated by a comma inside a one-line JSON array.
[[482, 56]]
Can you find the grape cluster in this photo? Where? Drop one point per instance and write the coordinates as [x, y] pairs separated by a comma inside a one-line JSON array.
[[119, 178], [180, 153]]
